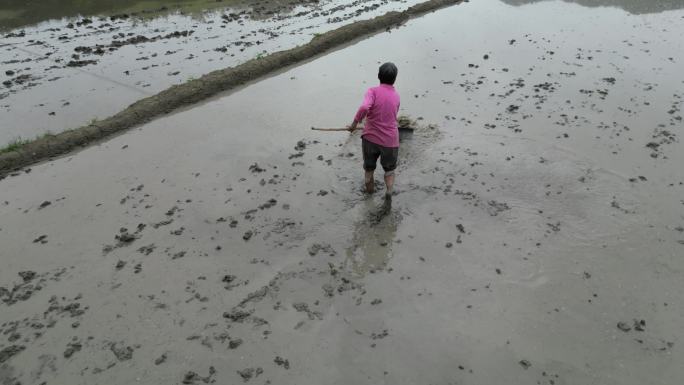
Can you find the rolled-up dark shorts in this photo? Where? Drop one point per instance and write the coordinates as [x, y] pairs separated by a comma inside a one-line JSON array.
[[388, 156]]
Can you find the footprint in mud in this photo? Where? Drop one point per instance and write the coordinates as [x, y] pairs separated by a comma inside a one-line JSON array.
[[374, 232], [376, 215], [372, 237]]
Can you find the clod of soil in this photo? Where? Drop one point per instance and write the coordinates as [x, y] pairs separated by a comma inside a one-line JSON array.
[[10, 351], [623, 326], [525, 364], [282, 362], [160, 360], [122, 353], [234, 344], [27, 275], [71, 349]]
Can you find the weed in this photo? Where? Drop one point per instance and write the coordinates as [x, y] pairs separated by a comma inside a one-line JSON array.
[[14, 145]]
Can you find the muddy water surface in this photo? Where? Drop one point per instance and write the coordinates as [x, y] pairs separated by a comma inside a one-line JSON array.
[[536, 235]]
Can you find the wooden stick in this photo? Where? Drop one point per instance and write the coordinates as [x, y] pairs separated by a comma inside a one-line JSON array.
[[329, 129], [357, 128]]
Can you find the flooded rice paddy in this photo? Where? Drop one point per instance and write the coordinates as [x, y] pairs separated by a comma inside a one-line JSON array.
[[536, 234]]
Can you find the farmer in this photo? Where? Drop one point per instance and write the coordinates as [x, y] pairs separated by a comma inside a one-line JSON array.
[[380, 137]]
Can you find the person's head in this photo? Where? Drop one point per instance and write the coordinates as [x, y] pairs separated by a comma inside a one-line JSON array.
[[387, 73]]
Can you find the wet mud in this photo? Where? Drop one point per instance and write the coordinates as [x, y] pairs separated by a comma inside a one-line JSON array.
[[533, 235], [196, 90]]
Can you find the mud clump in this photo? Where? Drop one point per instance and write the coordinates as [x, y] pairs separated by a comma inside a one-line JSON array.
[[122, 353], [317, 247], [660, 138], [147, 250], [125, 237], [280, 361], [255, 296], [27, 276], [71, 349], [231, 282], [80, 63], [247, 235], [301, 145], [248, 373], [271, 202], [623, 326], [194, 378], [72, 309], [638, 325], [41, 239], [406, 123], [10, 351], [26, 80], [495, 208], [255, 168], [160, 360], [237, 315], [303, 307], [379, 336], [134, 40], [22, 291]]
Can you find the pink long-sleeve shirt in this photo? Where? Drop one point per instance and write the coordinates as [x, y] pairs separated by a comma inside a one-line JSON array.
[[380, 107]]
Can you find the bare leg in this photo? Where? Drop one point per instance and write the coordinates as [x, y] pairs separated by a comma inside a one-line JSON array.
[[389, 182], [370, 183]]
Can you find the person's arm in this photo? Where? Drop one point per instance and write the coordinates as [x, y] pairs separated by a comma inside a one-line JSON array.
[[368, 100]]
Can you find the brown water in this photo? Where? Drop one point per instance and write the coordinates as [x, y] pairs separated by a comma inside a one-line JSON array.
[[562, 223]]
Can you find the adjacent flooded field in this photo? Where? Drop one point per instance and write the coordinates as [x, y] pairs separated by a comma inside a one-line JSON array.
[[64, 73], [536, 235]]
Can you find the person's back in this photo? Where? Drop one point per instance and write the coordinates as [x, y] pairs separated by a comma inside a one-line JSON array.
[[381, 119], [380, 137]]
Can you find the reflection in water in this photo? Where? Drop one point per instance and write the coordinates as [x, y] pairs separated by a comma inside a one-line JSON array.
[[372, 238], [631, 6], [19, 13]]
